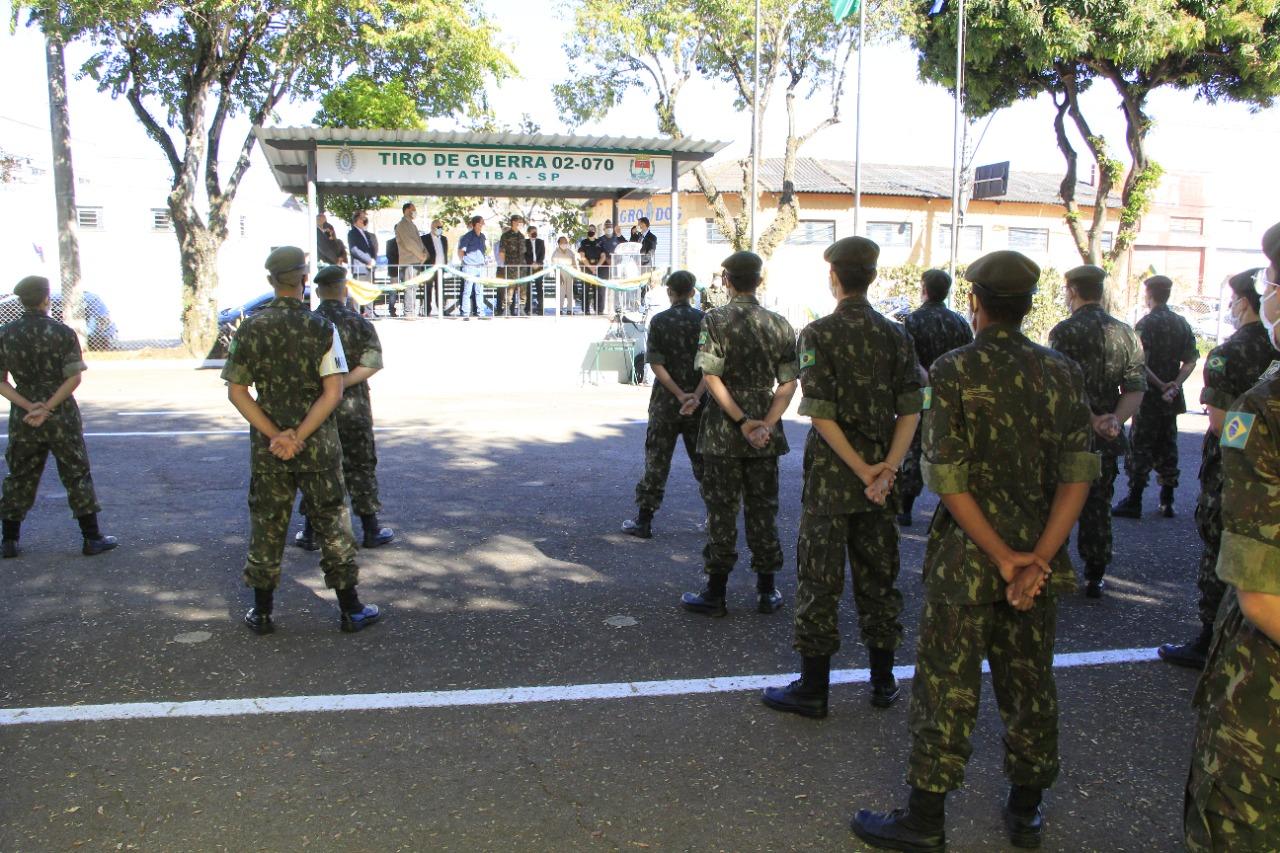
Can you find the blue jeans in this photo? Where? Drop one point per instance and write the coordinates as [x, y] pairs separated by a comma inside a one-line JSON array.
[[472, 290]]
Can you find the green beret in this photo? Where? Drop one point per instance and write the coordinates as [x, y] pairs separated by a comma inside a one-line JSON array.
[[743, 263], [1271, 244], [331, 275], [852, 252], [32, 290], [1087, 273], [286, 259], [1004, 273], [1159, 282]]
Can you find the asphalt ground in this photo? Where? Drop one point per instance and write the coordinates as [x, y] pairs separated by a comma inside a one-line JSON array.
[[508, 571]]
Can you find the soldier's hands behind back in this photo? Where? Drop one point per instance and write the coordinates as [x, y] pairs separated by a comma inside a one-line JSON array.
[[878, 491], [1022, 590], [37, 416], [689, 405], [757, 434], [1107, 426], [285, 445]]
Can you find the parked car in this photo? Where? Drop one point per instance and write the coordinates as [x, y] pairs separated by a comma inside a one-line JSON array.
[[229, 319], [1202, 313], [101, 332]]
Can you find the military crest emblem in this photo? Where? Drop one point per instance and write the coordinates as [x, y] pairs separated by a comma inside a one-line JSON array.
[[345, 160], [643, 170]]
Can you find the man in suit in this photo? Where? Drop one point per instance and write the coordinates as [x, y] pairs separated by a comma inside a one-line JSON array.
[[536, 257], [437, 246], [364, 247], [648, 243], [326, 250]]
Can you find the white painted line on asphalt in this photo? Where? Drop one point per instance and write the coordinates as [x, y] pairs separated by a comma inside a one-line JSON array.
[[472, 698], [181, 432], [166, 413]]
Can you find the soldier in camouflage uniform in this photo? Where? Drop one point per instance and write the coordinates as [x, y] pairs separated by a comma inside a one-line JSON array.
[[1006, 447], [862, 389], [675, 411], [1115, 379], [1232, 368], [1233, 789], [935, 329], [513, 263], [748, 358], [1170, 349], [43, 357], [354, 415], [295, 362]]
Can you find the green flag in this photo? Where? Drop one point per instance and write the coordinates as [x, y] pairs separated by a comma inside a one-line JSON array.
[[843, 8]]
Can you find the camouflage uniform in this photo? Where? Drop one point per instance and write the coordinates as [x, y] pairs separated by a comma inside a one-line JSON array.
[[1008, 423], [857, 368], [935, 329], [1110, 355], [1168, 343], [752, 350], [41, 353], [1231, 369], [1233, 789], [673, 343], [515, 251], [354, 414], [279, 351]]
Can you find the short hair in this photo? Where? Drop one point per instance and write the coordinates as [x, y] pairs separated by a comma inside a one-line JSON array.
[[854, 279], [1241, 285], [1088, 289], [643, 219], [477, 219], [1160, 291], [1004, 309], [681, 282], [515, 217], [292, 278], [937, 284], [405, 207], [331, 287], [742, 282]]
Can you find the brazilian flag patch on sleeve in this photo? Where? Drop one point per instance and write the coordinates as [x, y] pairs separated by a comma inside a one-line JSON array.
[[1217, 363], [1236, 429], [926, 394], [808, 358], [702, 338]]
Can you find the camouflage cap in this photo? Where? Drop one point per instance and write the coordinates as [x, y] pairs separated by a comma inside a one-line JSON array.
[[852, 252], [32, 290], [286, 259], [1271, 244], [1004, 273], [1086, 273], [743, 263], [332, 275]]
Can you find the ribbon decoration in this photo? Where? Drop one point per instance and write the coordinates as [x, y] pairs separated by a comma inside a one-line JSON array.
[[365, 293]]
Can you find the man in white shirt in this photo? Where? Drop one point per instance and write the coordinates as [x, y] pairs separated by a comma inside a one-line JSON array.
[[437, 246]]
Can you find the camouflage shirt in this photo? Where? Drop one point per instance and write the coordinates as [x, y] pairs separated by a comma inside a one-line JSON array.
[[752, 350], [1168, 343], [1238, 689], [936, 329], [1008, 423], [40, 354], [514, 250], [1108, 352], [362, 348], [673, 343], [857, 368], [1231, 369], [280, 351]]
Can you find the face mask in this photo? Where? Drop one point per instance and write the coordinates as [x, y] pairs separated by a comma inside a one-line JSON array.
[[591, 235], [436, 231], [608, 231], [1269, 310]]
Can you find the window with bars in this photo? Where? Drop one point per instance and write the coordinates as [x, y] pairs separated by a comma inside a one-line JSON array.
[[813, 232], [1029, 239], [161, 220], [1108, 240], [890, 233], [89, 218], [970, 237], [713, 233]]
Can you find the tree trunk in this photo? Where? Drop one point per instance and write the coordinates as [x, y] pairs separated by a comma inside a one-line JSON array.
[[64, 184], [198, 248]]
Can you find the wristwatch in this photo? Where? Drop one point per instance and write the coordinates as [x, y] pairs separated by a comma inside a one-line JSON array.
[[740, 421]]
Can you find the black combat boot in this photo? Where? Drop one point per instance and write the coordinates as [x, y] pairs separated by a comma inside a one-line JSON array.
[[1094, 584], [1131, 506], [1166, 501], [904, 517], [709, 602], [374, 534], [1023, 817], [642, 526], [306, 538], [1191, 654], [884, 687], [768, 597], [355, 616], [807, 695], [94, 541], [9, 544], [919, 828], [259, 617]]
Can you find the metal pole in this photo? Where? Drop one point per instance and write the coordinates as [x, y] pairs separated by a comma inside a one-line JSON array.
[[313, 208], [857, 122], [675, 216], [755, 130], [957, 140]]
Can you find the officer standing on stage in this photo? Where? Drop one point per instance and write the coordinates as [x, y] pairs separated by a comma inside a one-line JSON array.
[[354, 415], [1169, 346], [862, 390], [935, 329], [1115, 379], [1232, 368], [43, 357], [294, 360], [1006, 448], [748, 358], [1233, 789], [675, 405]]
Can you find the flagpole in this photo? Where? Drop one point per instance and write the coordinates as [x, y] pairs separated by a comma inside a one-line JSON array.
[[857, 121], [957, 135], [755, 130]]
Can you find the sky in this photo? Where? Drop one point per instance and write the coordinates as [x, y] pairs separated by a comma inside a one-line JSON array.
[[905, 121]]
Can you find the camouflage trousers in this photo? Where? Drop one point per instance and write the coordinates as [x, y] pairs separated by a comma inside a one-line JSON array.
[[910, 482], [1212, 588], [1218, 816], [870, 539], [729, 482], [270, 507], [359, 467], [28, 450], [954, 640], [1093, 537], [1153, 445], [659, 445]]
